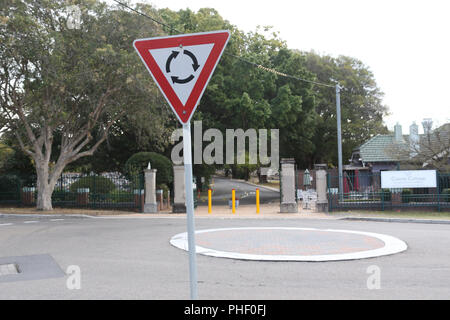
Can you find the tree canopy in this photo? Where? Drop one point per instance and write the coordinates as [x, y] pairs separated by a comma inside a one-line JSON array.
[[67, 92], [240, 95], [65, 89]]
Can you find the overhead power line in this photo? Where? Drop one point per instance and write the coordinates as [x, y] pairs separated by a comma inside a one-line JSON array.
[[261, 67]]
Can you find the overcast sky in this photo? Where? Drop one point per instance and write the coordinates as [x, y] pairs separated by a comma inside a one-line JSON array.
[[406, 44]]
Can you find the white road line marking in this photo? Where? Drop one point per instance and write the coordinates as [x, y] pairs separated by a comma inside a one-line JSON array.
[[391, 245], [56, 219], [5, 224], [31, 222]]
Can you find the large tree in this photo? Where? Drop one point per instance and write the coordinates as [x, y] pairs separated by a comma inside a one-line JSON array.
[[64, 84], [241, 95], [362, 110]]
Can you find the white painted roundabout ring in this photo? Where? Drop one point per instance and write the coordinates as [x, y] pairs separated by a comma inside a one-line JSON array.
[[387, 245]]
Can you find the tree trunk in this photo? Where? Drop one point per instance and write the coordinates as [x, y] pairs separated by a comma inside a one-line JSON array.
[[44, 189], [44, 199]]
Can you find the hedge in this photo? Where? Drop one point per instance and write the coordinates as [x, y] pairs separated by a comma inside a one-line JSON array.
[[139, 161], [9, 183], [96, 184]]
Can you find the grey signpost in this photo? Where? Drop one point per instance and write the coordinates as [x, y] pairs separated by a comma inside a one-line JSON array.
[[190, 207]]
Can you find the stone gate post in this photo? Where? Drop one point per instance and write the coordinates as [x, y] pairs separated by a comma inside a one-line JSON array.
[[321, 189], [150, 205], [179, 197], [288, 202]]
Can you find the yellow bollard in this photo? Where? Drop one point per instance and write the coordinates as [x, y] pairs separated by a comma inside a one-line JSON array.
[[209, 201], [257, 201], [233, 201]]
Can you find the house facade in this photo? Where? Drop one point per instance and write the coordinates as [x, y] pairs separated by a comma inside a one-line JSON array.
[[396, 151]]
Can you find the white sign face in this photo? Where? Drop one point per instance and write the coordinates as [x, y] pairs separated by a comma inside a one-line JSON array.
[[408, 179], [182, 66]]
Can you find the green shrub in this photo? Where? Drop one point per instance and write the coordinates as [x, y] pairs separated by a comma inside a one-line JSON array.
[[10, 188], [118, 197], [9, 183], [96, 184], [139, 161], [60, 195]]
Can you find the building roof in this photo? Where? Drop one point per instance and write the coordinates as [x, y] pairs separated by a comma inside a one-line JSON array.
[[378, 149], [384, 148]]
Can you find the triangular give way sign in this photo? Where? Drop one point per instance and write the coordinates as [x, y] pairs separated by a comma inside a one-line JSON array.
[[182, 66]]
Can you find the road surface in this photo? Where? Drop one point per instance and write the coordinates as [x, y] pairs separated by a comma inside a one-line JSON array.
[[131, 258], [221, 192]]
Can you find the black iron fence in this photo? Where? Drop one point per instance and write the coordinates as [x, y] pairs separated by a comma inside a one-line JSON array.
[[74, 190], [10, 190], [362, 190]]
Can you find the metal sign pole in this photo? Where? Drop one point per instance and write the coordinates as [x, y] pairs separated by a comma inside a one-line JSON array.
[[187, 154]]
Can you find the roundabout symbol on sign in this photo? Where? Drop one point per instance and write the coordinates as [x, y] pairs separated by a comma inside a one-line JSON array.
[[195, 66]]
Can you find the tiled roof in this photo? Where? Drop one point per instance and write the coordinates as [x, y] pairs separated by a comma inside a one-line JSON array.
[[380, 149], [383, 148]]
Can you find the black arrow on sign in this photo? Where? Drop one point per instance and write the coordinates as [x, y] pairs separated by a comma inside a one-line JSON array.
[[178, 80], [195, 65], [169, 60]]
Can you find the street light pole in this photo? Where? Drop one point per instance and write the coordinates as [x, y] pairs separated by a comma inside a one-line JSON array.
[[339, 137]]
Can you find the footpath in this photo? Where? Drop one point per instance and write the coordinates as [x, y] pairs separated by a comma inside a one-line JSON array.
[[242, 211], [267, 211]]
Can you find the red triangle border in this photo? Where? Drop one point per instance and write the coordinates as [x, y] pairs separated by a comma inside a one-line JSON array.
[[143, 47]]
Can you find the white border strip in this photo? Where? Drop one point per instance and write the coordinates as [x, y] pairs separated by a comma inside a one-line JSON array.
[[391, 246]]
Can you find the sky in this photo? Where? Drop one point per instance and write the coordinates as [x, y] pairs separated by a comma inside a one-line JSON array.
[[406, 44]]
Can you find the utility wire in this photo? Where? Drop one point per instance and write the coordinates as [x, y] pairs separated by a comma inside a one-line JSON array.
[[261, 67], [147, 16]]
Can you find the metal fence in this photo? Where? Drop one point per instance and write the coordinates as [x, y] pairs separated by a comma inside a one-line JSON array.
[[10, 187], [362, 190], [74, 190]]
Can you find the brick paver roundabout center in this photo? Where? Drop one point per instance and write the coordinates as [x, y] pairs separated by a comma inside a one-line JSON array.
[[290, 244]]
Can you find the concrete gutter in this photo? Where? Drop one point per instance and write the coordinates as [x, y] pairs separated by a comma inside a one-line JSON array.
[[227, 216], [32, 215], [398, 220]]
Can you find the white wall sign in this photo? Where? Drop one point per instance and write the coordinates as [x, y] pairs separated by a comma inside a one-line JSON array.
[[408, 179]]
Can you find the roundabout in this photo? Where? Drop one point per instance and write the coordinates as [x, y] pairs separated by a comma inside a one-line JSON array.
[[290, 244]]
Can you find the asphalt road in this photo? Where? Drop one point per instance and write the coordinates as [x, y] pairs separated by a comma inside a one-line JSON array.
[[131, 258], [221, 192]]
